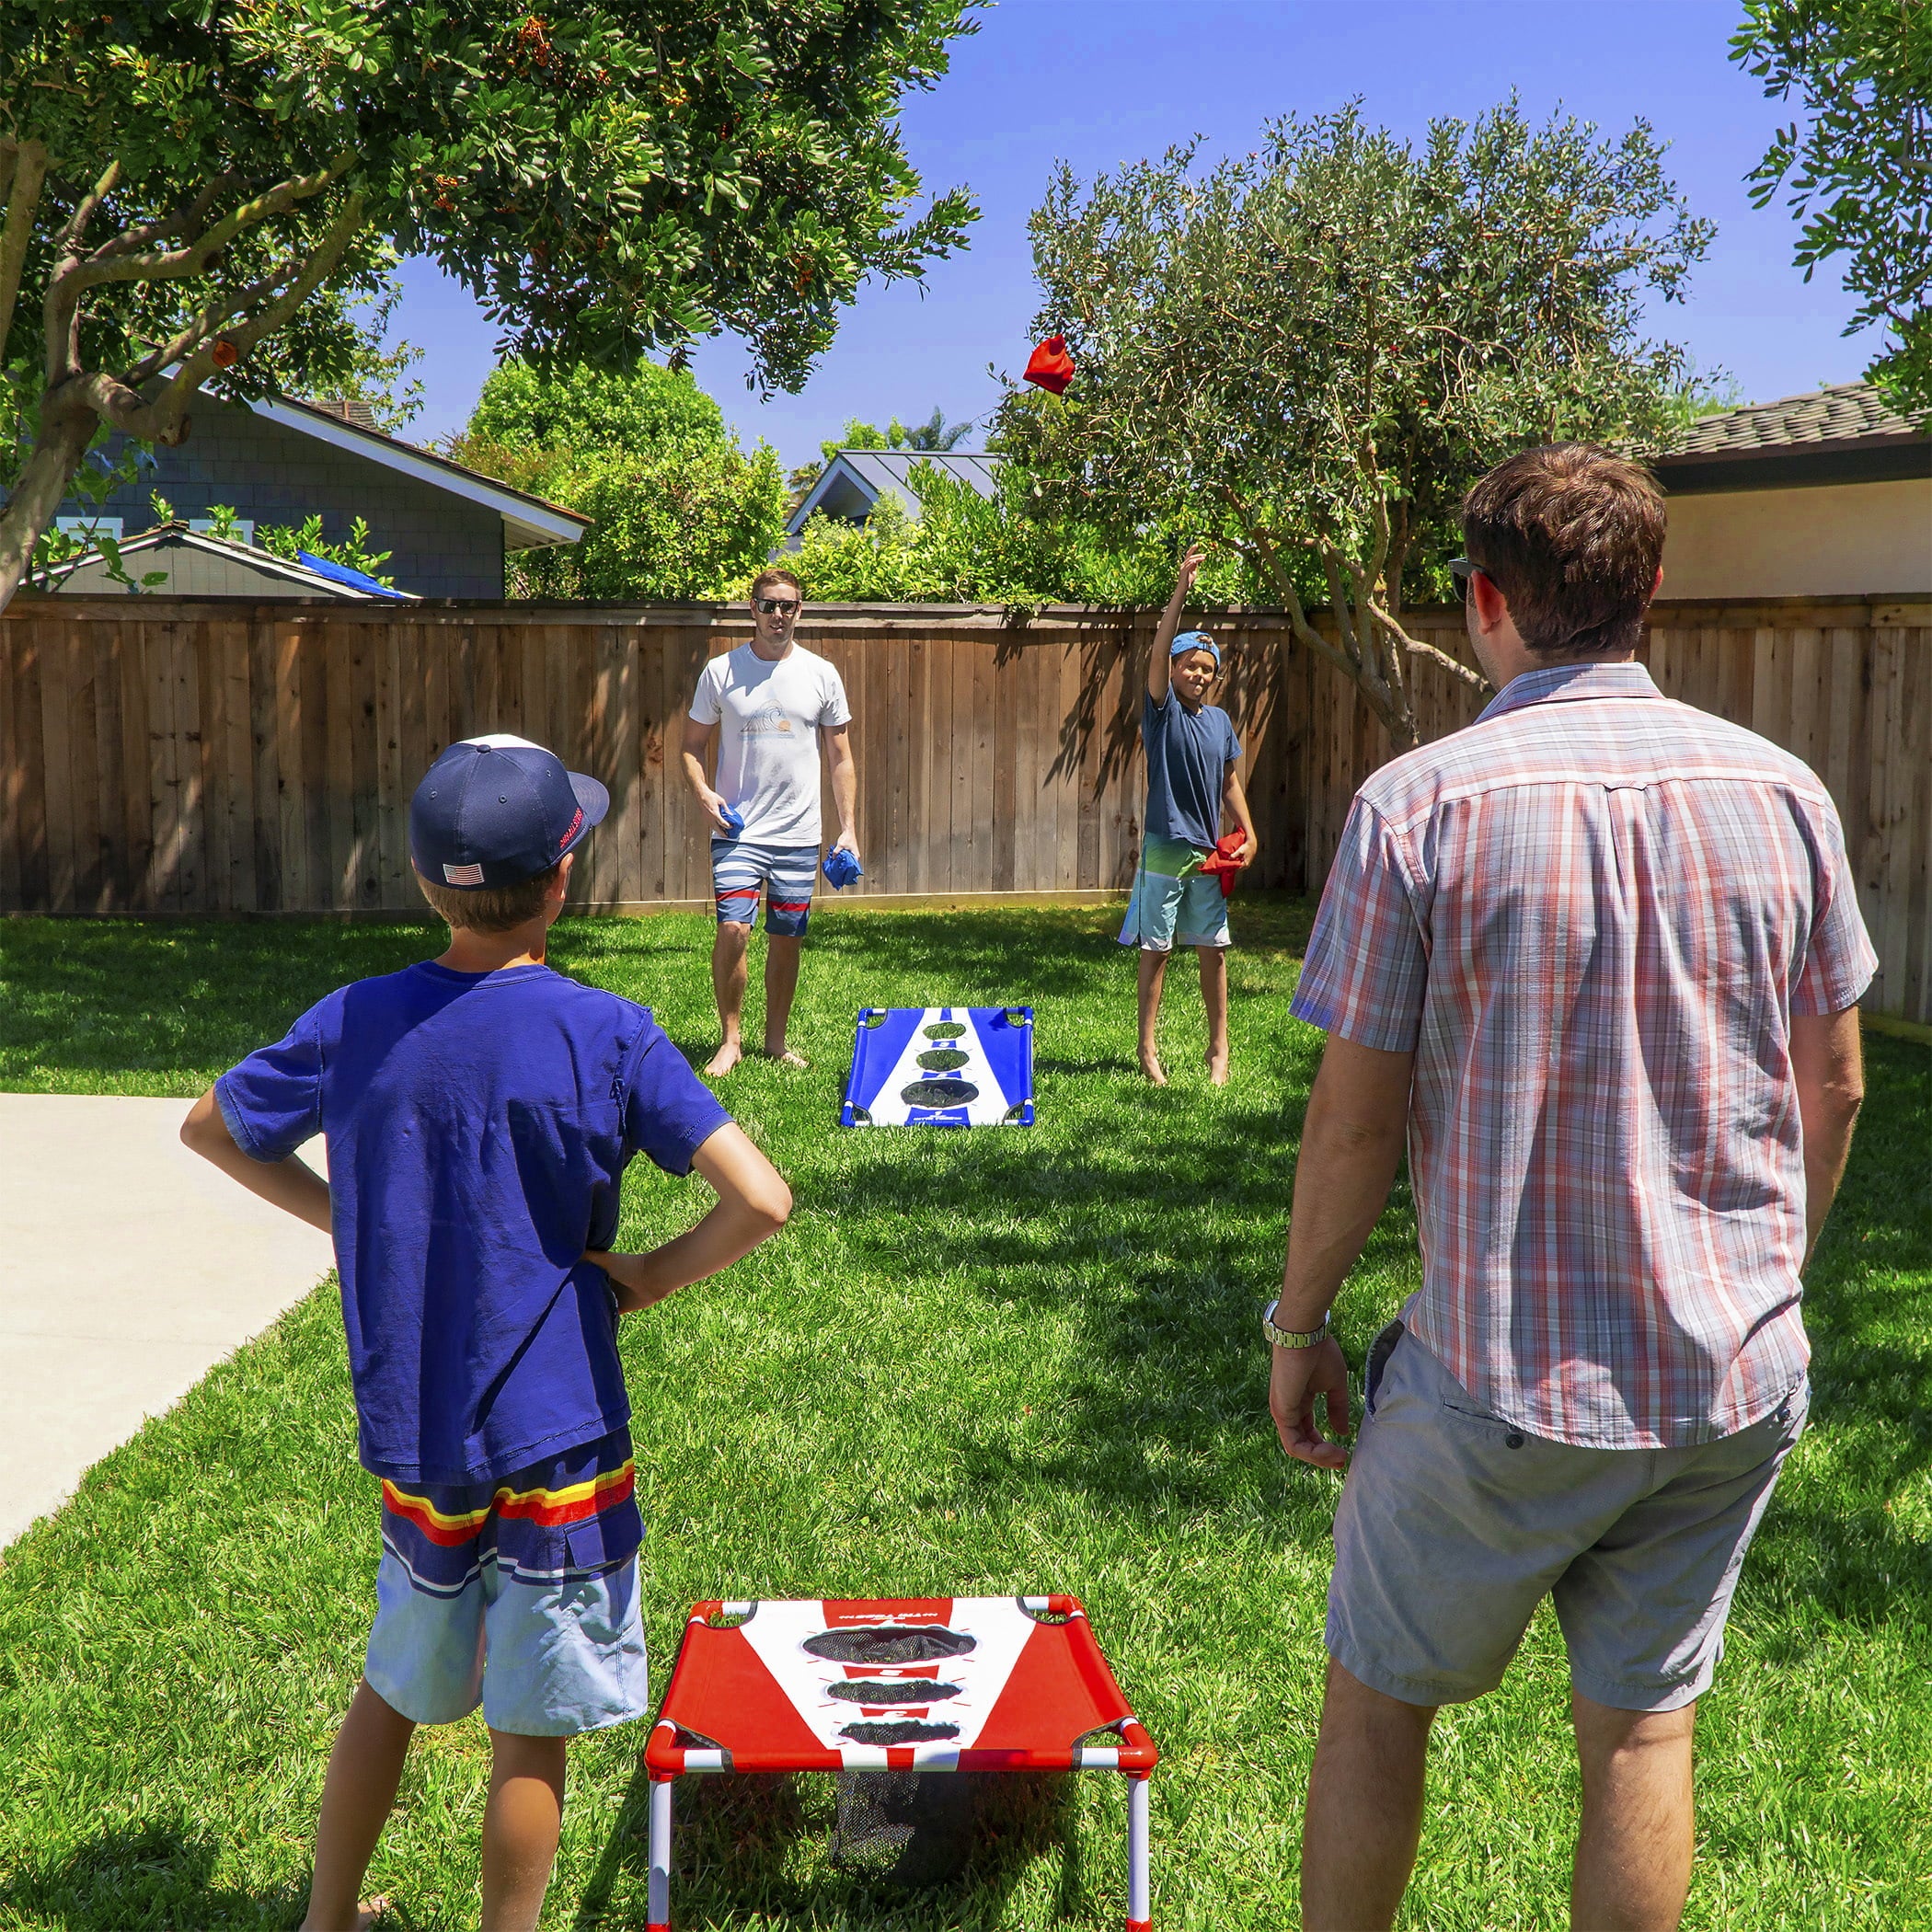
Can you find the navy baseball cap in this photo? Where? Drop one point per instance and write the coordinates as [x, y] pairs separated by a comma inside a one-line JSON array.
[[497, 810]]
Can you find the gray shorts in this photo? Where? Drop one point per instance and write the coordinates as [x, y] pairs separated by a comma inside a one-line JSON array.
[[1455, 1524]]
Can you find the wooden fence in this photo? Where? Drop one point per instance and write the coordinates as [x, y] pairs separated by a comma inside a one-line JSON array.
[[184, 757]]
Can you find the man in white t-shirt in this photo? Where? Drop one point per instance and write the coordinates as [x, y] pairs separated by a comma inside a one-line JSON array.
[[771, 700]]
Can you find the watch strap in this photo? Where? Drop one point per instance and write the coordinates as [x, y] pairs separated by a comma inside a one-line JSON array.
[[1291, 1338]]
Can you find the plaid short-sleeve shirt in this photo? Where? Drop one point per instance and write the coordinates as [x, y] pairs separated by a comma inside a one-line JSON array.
[[1591, 916]]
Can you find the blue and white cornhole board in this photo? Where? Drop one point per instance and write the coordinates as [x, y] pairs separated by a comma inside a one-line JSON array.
[[941, 1066]]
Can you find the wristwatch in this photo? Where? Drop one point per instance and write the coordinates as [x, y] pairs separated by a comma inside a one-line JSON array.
[[1291, 1338]]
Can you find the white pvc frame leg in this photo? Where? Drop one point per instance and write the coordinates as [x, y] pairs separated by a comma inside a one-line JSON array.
[[657, 1903], [1140, 1900]]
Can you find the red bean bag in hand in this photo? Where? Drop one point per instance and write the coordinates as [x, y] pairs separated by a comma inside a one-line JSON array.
[[1050, 366], [1225, 861]]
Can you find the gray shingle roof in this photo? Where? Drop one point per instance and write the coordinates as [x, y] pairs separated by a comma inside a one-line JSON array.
[[855, 480], [1838, 414]]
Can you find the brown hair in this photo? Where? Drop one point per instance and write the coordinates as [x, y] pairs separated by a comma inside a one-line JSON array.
[[489, 909], [1571, 536], [776, 573]]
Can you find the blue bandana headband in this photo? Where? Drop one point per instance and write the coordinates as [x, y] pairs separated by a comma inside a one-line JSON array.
[[1195, 640]]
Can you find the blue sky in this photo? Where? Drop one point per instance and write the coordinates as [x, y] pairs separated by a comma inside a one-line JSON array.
[[1101, 82]]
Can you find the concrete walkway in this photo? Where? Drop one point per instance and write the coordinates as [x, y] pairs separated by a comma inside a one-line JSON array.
[[129, 1267]]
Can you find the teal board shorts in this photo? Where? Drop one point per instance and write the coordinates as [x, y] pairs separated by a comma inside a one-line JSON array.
[[1174, 903], [519, 1594]]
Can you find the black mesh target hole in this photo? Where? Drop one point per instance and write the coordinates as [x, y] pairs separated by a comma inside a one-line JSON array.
[[897, 1731], [886, 1643], [944, 1030], [939, 1093], [878, 1691], [942, 1060]]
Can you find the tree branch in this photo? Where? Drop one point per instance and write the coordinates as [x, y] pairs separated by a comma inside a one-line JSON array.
[[27, 176], [116, 402], [1421, 650], [173, 264]]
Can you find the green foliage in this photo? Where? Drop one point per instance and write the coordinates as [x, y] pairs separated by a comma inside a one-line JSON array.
[[95, 481], [581, 407], [285, 540], [1309, 353], [198, 191], [679, 511], [682, 522], [1859, 168], [966, 548]]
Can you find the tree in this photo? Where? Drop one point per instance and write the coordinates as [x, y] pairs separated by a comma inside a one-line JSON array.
[[1007, 549], [196, 191], [678, 510], [1860, 171], [1307, 353]]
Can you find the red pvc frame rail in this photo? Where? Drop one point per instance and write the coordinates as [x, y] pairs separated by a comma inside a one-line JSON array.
[[1059, 1691]]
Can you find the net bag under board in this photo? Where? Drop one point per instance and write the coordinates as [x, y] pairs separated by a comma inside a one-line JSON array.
[[941, 1066], [894, 1694]]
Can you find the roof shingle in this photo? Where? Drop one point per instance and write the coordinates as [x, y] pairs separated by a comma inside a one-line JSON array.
[[1841, 413]]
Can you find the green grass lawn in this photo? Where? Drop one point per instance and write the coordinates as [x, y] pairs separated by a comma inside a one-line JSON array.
[[977, 1363]]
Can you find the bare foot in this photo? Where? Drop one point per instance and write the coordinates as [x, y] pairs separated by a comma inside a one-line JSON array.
[[724, 1059], [368, 1914], [1150, 1066], [786, 1056], [1217, 1069]]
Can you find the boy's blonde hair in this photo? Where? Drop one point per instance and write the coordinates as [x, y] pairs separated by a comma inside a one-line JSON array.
[[489, 909]]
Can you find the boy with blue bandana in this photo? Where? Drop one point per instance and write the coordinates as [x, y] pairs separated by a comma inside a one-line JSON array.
[[479, 1110], [1191, 750]]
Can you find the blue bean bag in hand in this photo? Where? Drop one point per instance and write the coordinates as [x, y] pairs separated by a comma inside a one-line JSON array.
[[842, 868]]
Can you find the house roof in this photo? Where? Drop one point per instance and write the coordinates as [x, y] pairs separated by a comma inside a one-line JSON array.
[[855, 480], [238, 569], [529, 523], [1845, 433]]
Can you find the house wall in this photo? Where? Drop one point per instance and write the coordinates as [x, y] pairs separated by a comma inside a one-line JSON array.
[[442, 545], [1835, 540]]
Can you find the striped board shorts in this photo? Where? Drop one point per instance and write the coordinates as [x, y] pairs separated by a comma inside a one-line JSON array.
[[739, 867], [519, 1595]]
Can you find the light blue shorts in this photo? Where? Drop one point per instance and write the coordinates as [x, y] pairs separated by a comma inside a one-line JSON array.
[[520, 1596], [787, 873], [1174, 903]]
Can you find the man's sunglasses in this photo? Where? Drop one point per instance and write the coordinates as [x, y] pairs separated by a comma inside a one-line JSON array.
[[775, 606], [1462, 569]]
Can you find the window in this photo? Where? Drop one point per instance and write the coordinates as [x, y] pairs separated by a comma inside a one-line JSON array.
[[89, 527]]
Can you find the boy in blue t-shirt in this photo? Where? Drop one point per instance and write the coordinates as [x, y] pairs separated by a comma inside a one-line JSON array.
[[479, 1110], [1191, 749]]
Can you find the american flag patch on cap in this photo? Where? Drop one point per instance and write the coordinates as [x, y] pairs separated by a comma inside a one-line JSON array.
[[463, 874]]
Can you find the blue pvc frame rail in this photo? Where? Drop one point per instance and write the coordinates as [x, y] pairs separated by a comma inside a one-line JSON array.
[[941, 1066]]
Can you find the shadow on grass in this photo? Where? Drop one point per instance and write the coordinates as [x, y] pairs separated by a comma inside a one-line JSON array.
[[735, 1839], [143, 1878], [1832, 1539]]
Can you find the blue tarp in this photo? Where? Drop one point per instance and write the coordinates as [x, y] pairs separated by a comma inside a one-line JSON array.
[[341, 573]]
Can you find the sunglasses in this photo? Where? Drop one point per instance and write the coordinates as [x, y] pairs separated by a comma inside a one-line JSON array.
[[1462, 569], [775, 606]]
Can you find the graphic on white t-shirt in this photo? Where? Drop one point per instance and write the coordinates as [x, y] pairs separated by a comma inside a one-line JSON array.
[[769, 713]]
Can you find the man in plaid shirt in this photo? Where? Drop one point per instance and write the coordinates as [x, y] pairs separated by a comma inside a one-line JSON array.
[[1598, 958]]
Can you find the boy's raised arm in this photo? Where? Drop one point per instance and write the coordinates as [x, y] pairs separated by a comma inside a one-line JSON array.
[[1158, 662], [291, 1184], [753, 1204]]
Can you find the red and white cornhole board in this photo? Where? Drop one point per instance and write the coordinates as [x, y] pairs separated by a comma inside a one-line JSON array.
[[1018, 1684]]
